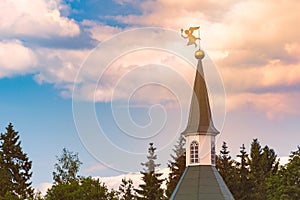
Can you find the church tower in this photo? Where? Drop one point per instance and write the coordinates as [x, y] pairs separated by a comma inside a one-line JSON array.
[[200, 132], [200, 180]]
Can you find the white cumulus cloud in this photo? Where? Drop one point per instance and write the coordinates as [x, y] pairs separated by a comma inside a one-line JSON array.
[[15, 58], [39, 18]]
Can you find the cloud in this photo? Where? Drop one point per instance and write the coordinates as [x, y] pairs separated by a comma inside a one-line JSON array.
[[114, 182], [43, 187], [283, 160], [38, 18], [275, 74], [16, 59], [256, 53], [55, 66], [59, 67], [136, 78], [95, 167], [276, 106], [100, 31], [167, 13], [255, 44], [263, 46]]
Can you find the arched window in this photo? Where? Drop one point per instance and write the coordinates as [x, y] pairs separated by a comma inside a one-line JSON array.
[[194, 152]]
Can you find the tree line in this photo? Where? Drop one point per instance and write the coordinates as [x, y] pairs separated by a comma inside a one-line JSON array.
[[252, 176]]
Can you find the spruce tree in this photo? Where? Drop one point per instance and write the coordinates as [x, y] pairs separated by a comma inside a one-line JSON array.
[[285, 184], [176, 166], [255, 176], [269, 162], [15, 166], [150, 189], [242, 190], [262, 165], [226, 168], [5, 183]]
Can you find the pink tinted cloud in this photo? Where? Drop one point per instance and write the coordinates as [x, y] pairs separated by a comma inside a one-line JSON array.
[[276, 106], [272, 75], [10, 50]]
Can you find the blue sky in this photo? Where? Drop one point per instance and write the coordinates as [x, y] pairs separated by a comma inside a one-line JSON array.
[[45, 43]]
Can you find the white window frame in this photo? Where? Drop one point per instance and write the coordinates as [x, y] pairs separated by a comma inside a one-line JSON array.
[[194, 152]]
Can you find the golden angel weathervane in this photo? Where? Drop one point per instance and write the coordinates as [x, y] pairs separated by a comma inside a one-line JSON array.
[[189, 35]]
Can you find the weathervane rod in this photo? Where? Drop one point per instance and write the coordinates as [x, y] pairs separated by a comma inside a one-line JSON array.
[[199, 37]]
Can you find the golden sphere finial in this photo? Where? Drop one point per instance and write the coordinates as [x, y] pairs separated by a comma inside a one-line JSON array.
[[199, 54]]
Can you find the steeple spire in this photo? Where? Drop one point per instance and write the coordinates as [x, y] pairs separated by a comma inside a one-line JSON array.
[[200, 118]]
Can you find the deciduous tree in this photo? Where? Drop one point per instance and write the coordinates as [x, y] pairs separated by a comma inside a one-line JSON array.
[[85, 188], [67, 167]]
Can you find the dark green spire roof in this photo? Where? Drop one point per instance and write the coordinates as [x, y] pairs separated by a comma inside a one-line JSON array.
[[201, 182], [200, 119]]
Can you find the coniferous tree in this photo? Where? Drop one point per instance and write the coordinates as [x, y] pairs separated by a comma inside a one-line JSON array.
[[67, 167], [255, 175], [242, 190], [126, 190], [5, 183], [285, 184], [269, 162], [150, 190], [177, 166], [15, 166], [226, 168], [262, 165]]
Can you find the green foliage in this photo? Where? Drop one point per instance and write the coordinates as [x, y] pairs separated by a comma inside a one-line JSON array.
[[177, 166], [67, 167], [150, 190], [262, 165], [285, 184], [126, 190], [242, 191], [226, 168], [85, 188], [69, 186], [249, 178], [5, 183], [38, 196], [14, 167], [10, 196]]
